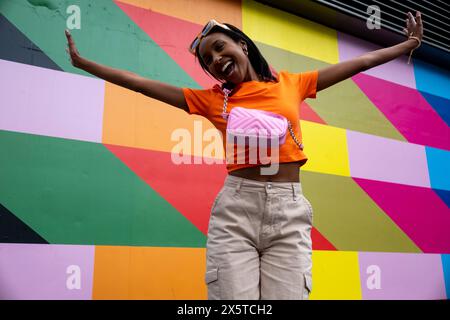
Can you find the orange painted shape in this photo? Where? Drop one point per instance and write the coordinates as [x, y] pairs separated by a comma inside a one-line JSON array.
[[197, 11], [149, 273], [134, 120]]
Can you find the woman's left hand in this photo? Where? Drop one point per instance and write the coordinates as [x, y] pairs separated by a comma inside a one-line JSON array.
[[414, 27]]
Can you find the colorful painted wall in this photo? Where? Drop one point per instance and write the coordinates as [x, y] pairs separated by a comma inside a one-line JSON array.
[[92, 206]]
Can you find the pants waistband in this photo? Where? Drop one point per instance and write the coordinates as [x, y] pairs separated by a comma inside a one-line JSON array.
[[262, 186]]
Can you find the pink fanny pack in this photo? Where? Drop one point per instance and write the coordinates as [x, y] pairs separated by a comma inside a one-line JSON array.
[[256, 125]]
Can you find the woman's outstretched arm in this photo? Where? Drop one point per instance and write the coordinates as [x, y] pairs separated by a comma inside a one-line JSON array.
[[346, 69], [151, 88]]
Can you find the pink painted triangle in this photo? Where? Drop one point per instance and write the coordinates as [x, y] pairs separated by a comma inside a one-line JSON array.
[[418, 211], [407, 110], [173, 35]]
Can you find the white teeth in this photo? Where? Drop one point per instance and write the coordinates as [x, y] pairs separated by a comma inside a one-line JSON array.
[[225, 66]]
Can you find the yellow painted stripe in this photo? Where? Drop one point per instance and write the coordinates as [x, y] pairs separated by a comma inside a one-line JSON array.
[[149, 273], [289, 32], [336, 276], [326, 148]]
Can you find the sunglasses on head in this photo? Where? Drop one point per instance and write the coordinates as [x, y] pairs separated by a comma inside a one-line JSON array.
[[206, 29]]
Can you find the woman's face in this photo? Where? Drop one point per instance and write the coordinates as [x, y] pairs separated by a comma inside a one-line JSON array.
[[226, 60]]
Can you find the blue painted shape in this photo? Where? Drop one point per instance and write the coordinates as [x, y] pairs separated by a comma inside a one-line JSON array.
[[444, 195], [446, 269], [438, 168], [439, 104], [432, 79]]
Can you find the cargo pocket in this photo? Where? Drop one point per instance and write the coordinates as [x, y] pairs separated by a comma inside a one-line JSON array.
[[308, 286], [212, 281]]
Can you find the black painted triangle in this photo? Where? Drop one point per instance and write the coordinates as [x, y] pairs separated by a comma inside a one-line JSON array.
[[14, 230], [15, 46]]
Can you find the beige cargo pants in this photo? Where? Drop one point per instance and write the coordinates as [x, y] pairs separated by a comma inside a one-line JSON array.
[[259, 242]]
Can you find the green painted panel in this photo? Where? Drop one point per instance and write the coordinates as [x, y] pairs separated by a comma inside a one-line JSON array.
[[349, 218], [74, 192], [106, 36], [343, 105]]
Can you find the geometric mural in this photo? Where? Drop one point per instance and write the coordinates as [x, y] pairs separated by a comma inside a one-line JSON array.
[[93, 207]]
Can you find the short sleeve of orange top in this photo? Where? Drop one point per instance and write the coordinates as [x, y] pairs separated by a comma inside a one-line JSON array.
[[283, 97]]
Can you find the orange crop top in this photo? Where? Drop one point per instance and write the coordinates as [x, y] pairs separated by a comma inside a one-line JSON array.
[[283, 97]]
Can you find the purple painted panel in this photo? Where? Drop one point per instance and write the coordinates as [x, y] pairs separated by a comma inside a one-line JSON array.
[[41, 271], [398, 70], [402, 276], [418, 211], [383, 159], [407, 110], [49, 102]]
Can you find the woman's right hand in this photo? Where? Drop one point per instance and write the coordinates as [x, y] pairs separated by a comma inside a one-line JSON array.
[[72, 50]]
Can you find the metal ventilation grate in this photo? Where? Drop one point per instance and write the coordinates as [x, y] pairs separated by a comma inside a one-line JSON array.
[[435, 13]]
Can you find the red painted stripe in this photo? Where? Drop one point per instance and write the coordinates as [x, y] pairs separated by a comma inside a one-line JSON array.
[[407, 110]]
